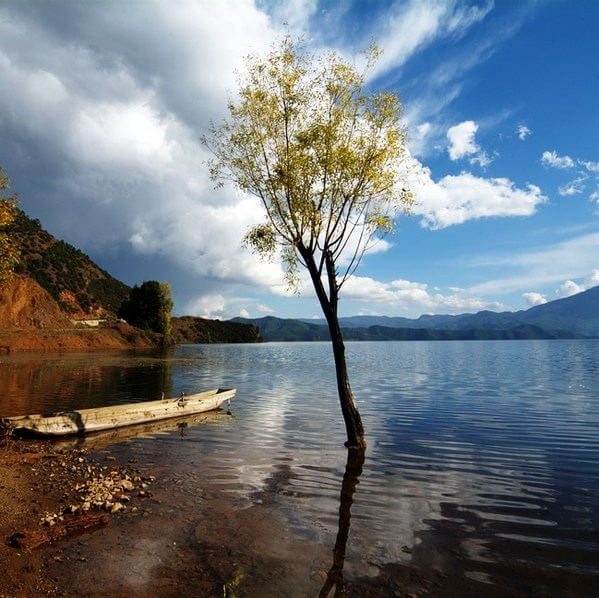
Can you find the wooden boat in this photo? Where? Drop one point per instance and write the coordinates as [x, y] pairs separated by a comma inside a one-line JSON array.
[[85, 421]]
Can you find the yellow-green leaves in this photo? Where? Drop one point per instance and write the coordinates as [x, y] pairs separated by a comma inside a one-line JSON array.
[[9, 251], [326, 158], [263, 238]]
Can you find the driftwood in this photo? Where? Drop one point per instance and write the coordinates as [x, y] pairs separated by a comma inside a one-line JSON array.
[[34, 538]]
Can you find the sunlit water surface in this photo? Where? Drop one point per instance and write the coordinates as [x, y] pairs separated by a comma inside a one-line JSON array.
[[483, 457]]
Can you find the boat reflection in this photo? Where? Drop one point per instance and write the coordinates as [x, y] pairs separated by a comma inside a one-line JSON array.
[[103, 439]]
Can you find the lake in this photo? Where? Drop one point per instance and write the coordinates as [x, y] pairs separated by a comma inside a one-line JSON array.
[[481, 473]]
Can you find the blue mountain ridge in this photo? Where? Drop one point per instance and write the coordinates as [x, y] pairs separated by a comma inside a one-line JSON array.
[[570, 317]]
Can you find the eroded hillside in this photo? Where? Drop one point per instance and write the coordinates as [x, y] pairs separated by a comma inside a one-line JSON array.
[[25, 305], [31, 320], [79, 285]]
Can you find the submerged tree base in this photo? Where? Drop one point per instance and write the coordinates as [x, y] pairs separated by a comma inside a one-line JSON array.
[[358, 445]]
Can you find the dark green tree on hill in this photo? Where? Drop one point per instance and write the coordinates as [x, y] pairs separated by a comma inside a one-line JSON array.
[[149, 307]]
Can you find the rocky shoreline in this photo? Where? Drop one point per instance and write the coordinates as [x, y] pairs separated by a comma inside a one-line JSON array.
[[48, 495]]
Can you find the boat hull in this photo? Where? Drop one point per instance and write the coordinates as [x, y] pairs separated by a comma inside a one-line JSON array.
[[85, 421]]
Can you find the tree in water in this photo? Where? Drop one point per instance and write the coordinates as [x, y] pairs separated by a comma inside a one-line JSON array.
[[149, 307], [9, 250], [328, 161]]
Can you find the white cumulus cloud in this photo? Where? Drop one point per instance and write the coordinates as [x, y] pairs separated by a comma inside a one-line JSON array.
[[207, 306], [523, 132], [405, 294], [462, 144], [568, 288], [554, 160], [565, 289], [264, 309], [533, 298], [455, 199], [592, 279], [461, 139]]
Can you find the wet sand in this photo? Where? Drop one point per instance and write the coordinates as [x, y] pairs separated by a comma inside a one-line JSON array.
[[20, 508], [222, 550]]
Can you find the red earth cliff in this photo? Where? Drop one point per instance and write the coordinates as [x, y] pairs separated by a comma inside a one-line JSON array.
[[31, 320]]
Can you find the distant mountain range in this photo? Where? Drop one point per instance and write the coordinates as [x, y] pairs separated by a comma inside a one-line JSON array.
[[578, 313], [572, 317]]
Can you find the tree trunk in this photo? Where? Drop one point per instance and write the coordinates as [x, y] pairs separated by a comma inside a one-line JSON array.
[[328, 303], [351, 415]]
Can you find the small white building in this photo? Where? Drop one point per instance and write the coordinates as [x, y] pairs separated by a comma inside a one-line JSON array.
[[89, 322]]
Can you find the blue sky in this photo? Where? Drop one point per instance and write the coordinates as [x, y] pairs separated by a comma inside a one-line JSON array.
[[104, 103]]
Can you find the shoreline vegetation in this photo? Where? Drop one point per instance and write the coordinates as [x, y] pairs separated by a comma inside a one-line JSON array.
[[58, 290], [32, 321]]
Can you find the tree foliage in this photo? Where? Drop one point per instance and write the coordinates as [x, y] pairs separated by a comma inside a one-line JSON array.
[[9, 250], [324, 157], [149, 307]]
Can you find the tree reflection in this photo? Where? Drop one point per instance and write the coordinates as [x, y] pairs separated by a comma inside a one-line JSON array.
[[353, 470], [45, 383]]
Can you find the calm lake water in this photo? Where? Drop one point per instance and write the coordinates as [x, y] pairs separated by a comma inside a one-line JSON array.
[[482, 466]]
